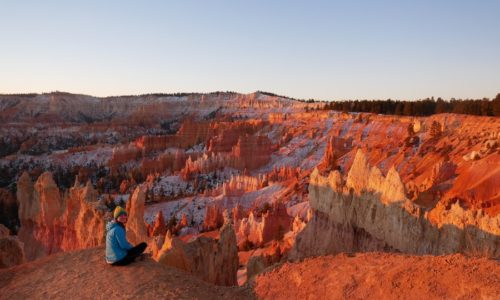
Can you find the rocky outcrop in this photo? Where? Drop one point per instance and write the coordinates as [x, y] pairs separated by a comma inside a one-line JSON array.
[[190, 133], [335, 148], [8, 210], [371, 212], [28, 207], [124, 154], [51, 222], [158, 227], [11, 249], [218, 136], [240, 184], [173, 161], [83, 219], [237, 214], [364, 178], [213, 218], [249, 153], [282, 174], [228, 134], [136, 227], [39, 207], [155, 143], [263, 258], [205, 164], [271, 226], [212, 260], [441, 172], [252, 152]]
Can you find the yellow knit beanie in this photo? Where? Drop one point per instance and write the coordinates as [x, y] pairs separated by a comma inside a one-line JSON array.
[[118, 212]]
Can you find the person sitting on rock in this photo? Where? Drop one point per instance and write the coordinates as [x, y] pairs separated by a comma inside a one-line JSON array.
[[119, 252]]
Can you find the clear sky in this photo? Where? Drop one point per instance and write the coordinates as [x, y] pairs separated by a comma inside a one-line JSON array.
[[325, 50]]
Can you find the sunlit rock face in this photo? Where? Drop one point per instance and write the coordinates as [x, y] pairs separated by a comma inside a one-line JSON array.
[[136, 227], [51, 222], [158, 228], [364, 178], [252, 152], [249, 153], [371, 213], [227, 134], [213, 218], [213, 260], [272, 225], [239, 185]]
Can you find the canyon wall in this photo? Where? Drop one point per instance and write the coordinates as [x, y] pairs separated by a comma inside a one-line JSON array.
[[60, 106], [370, 212]]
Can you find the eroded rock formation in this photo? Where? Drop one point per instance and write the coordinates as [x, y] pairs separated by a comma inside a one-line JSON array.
[[252, 152], [158, 227], [11, 249], [136, 226], [228, 134], [212, 260], [51, 222], [239, 185], [371, 212], [271, 226], [213, 218]]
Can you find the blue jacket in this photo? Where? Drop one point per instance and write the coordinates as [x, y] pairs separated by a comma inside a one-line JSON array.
[[116, 242]]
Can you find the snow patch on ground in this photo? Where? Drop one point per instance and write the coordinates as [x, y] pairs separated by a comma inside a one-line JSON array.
[[64, 159]]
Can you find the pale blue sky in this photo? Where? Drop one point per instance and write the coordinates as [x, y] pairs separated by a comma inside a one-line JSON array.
[[306, 49]]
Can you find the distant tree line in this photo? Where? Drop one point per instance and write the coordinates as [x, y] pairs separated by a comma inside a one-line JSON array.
[[217, 93], [276, 95], [425, 107], [26, 95], [59, 93]]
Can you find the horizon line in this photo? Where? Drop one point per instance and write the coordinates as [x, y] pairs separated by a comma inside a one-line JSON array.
[[240, 93]]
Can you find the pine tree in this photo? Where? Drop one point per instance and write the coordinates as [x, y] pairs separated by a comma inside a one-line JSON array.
[[435, 129], [496, 105]]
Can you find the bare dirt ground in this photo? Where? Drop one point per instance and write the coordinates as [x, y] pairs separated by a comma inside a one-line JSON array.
[[85, 275], [382, 276]]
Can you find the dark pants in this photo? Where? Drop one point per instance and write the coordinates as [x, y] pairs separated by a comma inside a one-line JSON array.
[[131, 255]]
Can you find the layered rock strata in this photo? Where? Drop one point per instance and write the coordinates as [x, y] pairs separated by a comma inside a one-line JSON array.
[[370, 212]]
